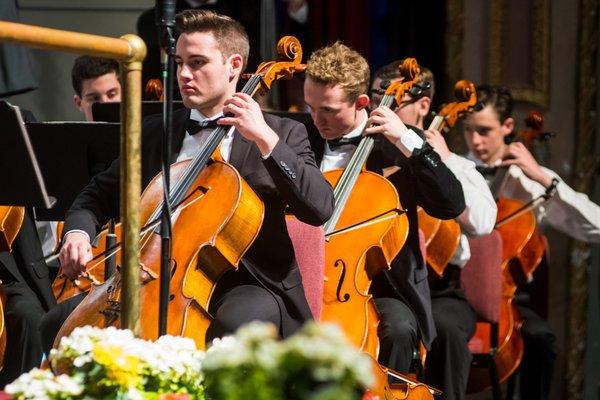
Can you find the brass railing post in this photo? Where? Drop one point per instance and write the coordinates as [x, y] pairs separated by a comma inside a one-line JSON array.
[[130, 50]]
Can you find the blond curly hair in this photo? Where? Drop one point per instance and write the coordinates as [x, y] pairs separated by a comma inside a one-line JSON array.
[[337, 64]]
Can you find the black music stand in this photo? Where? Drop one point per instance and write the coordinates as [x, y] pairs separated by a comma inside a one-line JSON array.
[[70, 154], [21, 180], [111, 112]]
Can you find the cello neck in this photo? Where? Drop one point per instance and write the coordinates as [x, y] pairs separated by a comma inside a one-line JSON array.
[[437, 123], [201, 159], [344, 187]]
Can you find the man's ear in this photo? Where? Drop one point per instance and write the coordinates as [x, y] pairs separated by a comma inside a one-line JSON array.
[[77, 102], [423, 105], [508, 126], [362, 102], [236, 65]]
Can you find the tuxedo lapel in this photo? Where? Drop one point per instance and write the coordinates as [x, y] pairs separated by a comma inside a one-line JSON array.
[[179, 121]]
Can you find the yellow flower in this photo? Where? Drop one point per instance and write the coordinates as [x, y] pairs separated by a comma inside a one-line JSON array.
[[122, 369]]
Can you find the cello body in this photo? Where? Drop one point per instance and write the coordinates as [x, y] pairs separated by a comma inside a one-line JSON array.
[[2, 327], [354, 257], [64, 288], [216, 224], [11, 219], [441, 240]]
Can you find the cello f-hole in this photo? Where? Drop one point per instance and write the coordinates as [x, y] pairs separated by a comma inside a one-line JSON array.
[[341, 263]]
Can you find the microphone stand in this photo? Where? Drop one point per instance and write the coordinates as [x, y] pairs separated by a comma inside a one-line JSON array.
[[165, 21]]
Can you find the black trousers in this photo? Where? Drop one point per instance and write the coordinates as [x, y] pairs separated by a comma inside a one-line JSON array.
[[398, 333], [52, 320], [449, 360], [22, 314], [239, 299], [537, 365]]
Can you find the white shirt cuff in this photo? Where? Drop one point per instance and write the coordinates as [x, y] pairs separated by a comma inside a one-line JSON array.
[[409, 141], [78, 231]]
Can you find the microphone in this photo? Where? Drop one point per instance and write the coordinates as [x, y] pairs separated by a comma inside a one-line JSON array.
[[164, 18]]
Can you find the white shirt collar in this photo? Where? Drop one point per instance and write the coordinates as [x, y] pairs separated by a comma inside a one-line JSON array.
[[198, 116], [478, 162]]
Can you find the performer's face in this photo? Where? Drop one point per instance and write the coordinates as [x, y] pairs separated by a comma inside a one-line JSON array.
[[206, 78], [484, 134], [413, 111], [103, 89], [333, 115]]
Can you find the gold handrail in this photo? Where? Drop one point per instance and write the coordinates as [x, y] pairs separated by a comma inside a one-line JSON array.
[[130, 51]]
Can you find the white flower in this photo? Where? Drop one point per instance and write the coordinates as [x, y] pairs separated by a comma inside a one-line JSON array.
[[42, 384]]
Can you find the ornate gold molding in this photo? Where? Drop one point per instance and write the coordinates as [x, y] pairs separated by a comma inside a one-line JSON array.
[[536, 91], [454, 40], [585, 160]]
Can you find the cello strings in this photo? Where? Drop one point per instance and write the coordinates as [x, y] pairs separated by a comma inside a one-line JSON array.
[[350, 175], [368, 222]]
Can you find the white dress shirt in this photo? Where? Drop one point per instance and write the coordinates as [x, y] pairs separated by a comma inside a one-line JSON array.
[[479, 216], [192, 143], [568, 211]]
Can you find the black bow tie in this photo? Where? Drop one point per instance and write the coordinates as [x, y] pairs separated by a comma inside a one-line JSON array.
[[335, 143], [192, 126], [486, 171]]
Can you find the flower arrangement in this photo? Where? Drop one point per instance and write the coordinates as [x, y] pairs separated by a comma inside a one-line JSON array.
[[317, 363], [110, 363]]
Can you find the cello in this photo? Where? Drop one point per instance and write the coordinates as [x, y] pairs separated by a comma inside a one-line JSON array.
[[11, 219], [356, 251], [363, 236], [231, 214], [523, 248], [442, 236]]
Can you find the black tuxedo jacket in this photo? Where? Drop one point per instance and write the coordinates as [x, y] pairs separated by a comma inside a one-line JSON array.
[[437, 190], [26, 264], [289, 178]]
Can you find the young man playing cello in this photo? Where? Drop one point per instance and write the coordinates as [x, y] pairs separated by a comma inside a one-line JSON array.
[[272, 155], [337, 80], [567, 210], [449, 360]]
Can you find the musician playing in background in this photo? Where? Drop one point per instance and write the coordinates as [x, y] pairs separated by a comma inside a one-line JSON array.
[[337, 81], [449, 360], [271, 154], [568, 211]]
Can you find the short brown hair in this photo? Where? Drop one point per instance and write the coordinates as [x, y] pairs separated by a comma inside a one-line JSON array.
[[337, 64], [391, 72], [229, 34], [498, 97], [89, 67]]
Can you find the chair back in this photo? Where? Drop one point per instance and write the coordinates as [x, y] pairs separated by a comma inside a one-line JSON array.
[[481, 277], [309, 248]]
